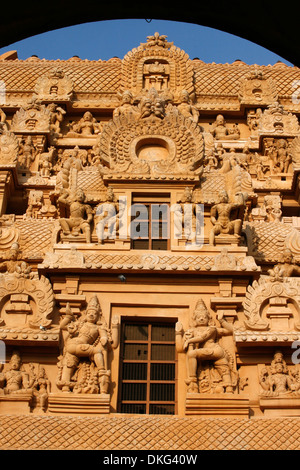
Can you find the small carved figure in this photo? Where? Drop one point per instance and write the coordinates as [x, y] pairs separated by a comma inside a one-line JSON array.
[[107, 217], [185, 214], [126, 107], [41, 386], [220, 130], [27, 153], [276, 381], [201, 343], [284, 157], [186, 108], [81, 215], [15, 379], [86, 126], [286, 267], [56, 117], [220, 217]]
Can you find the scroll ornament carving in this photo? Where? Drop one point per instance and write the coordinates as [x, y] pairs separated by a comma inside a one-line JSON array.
[[17, 279], [9, 148], [273, 289], [83, 366], [210, 366]]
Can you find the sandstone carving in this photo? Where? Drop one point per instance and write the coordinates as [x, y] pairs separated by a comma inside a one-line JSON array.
[[87, 338], [203, 349], [149, 248]]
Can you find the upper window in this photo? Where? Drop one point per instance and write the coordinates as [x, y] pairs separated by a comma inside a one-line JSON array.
[[150, 225]]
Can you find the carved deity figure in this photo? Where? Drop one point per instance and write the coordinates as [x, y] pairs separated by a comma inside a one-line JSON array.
[[56, 117], [15, 379], [284, 158], [41, 386], [276, 380], [86, 126], [12, 261], [81, 215], [185, 214], [27, 153], [286, 267], [126, 107], [186, 108], [107, 220], [89, 339], [221, 217], [3, 123], [220, 131], [201, 343]]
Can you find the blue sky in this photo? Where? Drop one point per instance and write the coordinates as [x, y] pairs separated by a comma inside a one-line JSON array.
[[106, 39]]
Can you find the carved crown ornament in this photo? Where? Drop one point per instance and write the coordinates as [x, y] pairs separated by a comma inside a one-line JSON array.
[[153, 140], [34, 117], [257, 89], [275, 120], [55, 86]]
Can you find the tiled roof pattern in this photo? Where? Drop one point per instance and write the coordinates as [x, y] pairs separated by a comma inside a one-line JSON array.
[[147, 433], [86, 76], [104, 76], [225, 78]]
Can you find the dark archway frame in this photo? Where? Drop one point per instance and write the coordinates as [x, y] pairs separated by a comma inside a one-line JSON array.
[[272, 25]]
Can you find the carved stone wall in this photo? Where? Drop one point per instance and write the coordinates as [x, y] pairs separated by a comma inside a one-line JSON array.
[[150, 190]]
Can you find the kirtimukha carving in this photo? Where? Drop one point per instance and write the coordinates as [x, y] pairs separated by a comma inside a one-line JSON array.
[[209, 365], [81, 214], [86, 347], [221, 217], [34, 117]]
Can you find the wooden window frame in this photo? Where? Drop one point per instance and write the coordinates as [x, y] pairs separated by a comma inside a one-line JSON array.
[[149, 322]]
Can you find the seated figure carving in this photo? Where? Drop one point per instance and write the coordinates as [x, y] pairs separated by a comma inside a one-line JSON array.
[[14, 380], [221, 217], [81, 214]]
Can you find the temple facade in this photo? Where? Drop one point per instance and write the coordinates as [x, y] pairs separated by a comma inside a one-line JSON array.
[[150, 252]]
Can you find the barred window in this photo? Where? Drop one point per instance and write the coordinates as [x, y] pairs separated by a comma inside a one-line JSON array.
[[148, 368]]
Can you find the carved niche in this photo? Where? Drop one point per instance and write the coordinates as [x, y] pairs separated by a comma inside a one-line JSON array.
[[153, 141], [55, 86], [157, 64], [273, 305], [26, 299]]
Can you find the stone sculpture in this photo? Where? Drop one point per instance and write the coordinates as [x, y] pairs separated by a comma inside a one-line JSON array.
[[81, 215], [220, 217], [201, 342], [87, 338]]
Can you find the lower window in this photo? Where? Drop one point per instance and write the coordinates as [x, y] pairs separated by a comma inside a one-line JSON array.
[[148, 368]]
